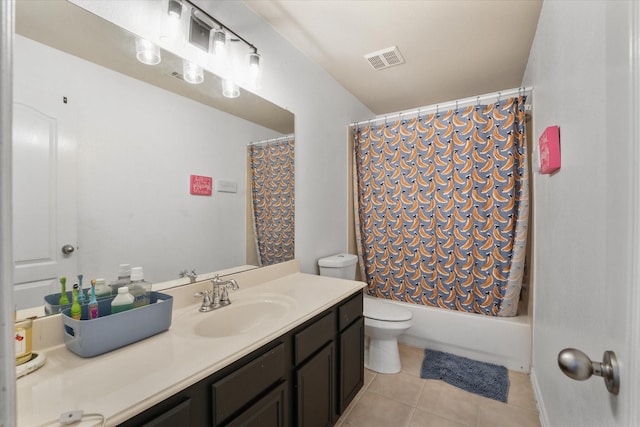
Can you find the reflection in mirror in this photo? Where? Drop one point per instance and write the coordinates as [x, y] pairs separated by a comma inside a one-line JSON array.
[[104, 151], [271, 175]]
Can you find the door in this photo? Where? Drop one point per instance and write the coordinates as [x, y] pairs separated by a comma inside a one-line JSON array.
[[44, 194], [584, 70], [315, 385]]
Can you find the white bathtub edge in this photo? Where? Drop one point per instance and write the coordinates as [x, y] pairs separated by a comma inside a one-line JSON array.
[[497, 340]]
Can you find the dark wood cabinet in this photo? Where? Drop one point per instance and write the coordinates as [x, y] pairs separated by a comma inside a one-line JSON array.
[[270, 411], [315, 389], [351, 363], [178, 416], [304, 378]]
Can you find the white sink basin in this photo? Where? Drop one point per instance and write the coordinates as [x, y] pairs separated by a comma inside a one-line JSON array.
[[240, 317]]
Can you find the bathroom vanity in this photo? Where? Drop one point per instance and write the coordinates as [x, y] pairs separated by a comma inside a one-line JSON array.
[[288, 351]]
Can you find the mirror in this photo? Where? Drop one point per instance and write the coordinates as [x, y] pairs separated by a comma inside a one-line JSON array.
[[104, 151]]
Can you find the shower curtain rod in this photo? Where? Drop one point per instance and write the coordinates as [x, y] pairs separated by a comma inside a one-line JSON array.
[[464, 102], [272, 140]]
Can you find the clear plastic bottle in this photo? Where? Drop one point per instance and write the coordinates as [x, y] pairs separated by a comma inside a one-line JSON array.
[[102, 289], [123, 301], [124, 278], [140, 289]]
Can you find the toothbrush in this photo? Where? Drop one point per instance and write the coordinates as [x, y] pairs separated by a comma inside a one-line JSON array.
[[63, 295], [76, 311], [93, 303], [81, 296]]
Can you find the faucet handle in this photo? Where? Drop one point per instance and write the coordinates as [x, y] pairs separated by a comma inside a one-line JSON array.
[[206, 301], [206, 294], [224, 298]]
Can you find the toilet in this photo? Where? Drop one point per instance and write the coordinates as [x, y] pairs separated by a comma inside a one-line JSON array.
[[384, 322]]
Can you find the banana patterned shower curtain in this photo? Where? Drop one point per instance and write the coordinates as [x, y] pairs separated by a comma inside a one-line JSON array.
[[442, 208], [272, 196]]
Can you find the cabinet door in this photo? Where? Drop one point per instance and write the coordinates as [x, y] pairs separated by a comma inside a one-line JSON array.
[[351, 368], [315, 382], [270, 411]]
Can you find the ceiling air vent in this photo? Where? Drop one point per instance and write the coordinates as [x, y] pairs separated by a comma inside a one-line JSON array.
[[385, 58]]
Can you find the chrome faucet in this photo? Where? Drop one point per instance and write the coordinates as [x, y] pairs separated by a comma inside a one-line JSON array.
[[218, 296], [192, 276]]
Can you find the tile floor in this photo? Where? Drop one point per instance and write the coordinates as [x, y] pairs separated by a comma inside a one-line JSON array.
[[406, 400]]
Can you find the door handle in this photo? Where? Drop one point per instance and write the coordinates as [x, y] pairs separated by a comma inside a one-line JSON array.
[[577, 365], [68, 249]]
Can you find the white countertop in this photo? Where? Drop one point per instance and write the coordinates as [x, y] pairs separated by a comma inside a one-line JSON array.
[[126, 381]]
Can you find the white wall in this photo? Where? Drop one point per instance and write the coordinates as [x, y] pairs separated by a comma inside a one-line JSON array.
[[323, 110], [137, 147], [579, 67]]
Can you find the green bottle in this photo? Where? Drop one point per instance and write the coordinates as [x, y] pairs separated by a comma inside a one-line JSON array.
[[76, 311], [63, 296]]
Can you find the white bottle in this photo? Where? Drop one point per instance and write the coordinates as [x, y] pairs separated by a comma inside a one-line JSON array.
[[124, 278], [102, 289], [140, 289], [123, 301]]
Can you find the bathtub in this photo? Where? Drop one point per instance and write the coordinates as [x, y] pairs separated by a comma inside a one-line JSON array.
[[503, 341]]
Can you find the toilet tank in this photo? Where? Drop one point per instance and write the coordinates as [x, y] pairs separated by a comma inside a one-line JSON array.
[[341, 266]]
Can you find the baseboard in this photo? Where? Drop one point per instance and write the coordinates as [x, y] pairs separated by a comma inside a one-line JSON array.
[[542, 413]]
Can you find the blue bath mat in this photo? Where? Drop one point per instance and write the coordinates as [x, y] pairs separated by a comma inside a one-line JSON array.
[[485, 379]]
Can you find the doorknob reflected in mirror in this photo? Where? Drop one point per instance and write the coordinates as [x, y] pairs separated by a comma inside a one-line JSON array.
[[68, 249], [577, 365]]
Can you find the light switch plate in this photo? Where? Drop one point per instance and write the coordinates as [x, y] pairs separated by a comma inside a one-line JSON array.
[[226, 186]]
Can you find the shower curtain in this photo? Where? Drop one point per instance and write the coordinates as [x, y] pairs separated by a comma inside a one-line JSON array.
[[272, 198], [442, 208]]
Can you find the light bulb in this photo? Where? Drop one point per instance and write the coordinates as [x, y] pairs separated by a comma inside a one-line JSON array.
[[230, 89], [175, 9], [147, 52], [192, 73], [254, 70], [219, 42]]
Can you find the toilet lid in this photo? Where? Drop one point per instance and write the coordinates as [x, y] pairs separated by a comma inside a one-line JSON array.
[[380, 310]]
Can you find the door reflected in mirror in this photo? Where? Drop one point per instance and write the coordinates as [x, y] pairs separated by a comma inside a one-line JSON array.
[[104, 148]]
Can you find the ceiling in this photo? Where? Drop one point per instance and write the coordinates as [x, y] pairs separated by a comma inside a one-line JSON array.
[[452, 49]]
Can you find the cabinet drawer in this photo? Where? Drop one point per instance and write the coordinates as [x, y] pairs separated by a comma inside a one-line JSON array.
[[270, 411], [314, 336], [239, 388], [350, 311], [178, 416]]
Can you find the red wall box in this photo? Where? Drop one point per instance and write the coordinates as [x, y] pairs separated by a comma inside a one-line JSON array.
[[201, 185], [550, 150]]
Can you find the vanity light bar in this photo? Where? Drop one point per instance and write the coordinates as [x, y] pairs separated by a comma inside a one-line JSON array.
[[209, 21]]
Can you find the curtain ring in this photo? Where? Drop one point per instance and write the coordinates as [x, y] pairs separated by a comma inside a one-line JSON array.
[[437, 109], [456, 106], [499, 95], [478, 101]]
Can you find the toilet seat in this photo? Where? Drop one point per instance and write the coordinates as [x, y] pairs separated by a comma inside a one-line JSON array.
[[383, 311]]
